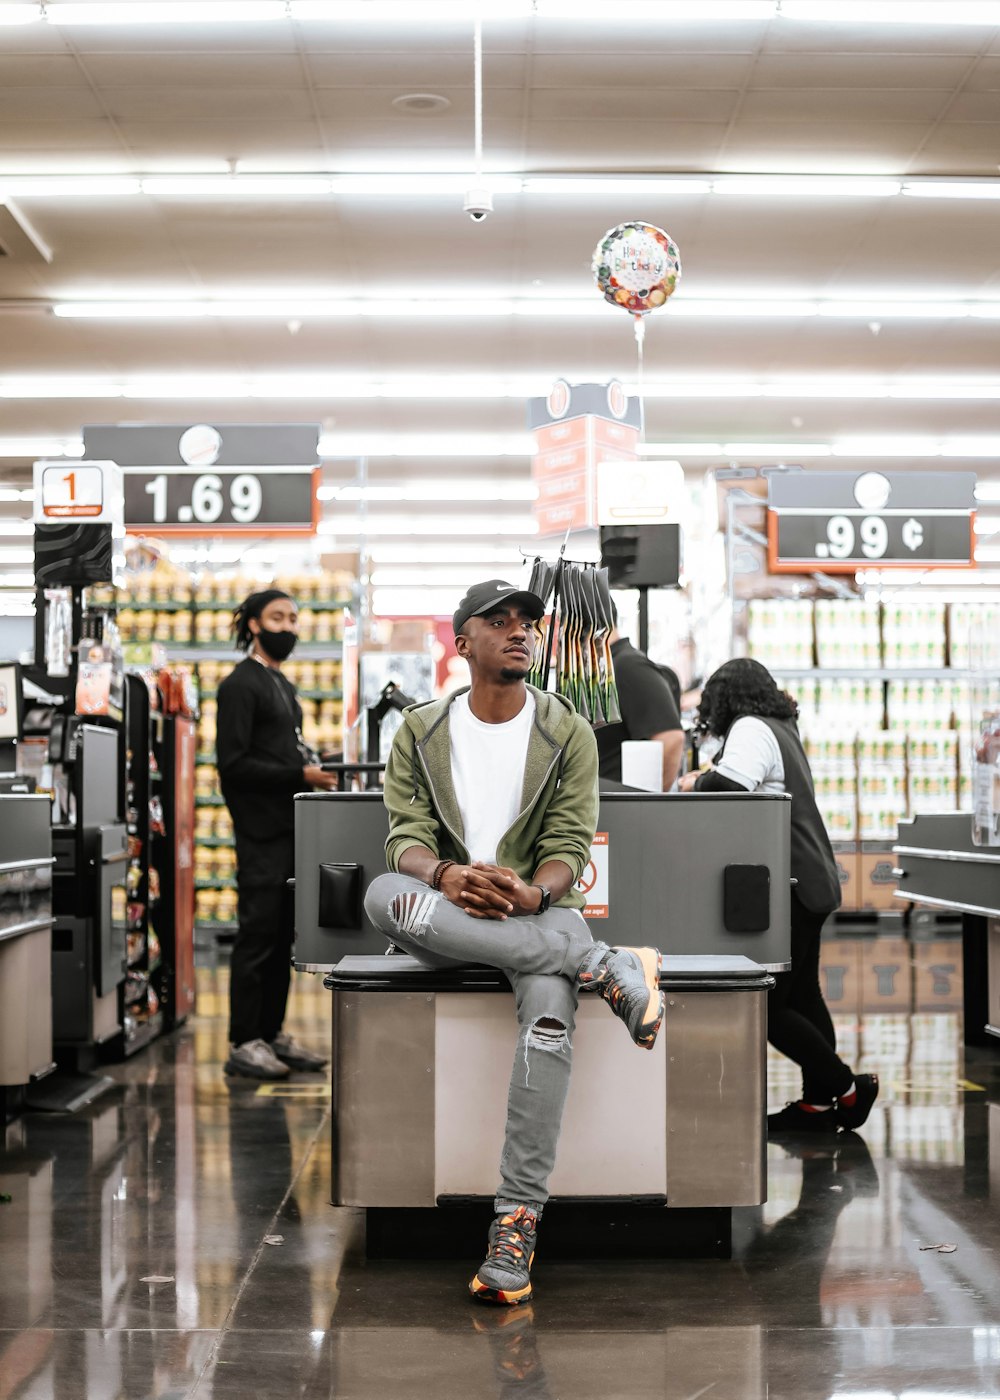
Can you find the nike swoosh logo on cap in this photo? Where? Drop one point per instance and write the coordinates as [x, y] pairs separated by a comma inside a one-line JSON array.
[[503, 587]]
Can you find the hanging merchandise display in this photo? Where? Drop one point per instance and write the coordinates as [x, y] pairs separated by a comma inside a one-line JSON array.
[[577, 633]]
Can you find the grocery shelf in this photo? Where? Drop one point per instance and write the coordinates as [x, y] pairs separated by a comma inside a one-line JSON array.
[[879, 673], [215, 884], [217, 652], [226, 841], [304, 606], [210, 802]]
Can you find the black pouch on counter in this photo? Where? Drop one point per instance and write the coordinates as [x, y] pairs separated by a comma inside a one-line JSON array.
[[746, 898], [340, 895]]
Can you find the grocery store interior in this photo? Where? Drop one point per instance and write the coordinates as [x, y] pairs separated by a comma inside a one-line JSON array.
[[320, 295]]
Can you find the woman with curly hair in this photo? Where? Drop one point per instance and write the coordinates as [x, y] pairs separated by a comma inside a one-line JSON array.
[[762, 752]]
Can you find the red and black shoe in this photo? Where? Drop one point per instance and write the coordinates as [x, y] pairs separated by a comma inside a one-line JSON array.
[[853, 1109], [802, 1118]]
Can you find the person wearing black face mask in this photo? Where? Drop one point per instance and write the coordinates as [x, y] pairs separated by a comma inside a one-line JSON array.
[[263, 762]]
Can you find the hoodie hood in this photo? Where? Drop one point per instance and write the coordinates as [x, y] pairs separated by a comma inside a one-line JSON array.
[[554, 714]]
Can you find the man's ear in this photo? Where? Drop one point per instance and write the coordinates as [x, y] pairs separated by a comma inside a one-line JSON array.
[[462, 644], [253, 626]]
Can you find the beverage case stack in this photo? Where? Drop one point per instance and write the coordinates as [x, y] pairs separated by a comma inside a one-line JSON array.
[[884, 702]]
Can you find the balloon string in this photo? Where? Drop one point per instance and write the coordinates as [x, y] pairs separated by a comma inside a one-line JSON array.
[[640, 336]]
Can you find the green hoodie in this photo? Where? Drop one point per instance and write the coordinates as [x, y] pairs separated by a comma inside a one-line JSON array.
[[559, 803]]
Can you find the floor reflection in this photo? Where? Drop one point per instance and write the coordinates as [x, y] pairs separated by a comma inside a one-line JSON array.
[[175, 1240]]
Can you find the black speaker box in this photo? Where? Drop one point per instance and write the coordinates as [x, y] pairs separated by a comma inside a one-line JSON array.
[[641, 556]]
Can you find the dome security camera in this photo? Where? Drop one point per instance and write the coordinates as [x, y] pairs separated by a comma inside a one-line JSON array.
[[478, 205]]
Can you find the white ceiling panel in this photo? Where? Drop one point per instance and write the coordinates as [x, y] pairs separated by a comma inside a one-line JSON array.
[[560, 98]]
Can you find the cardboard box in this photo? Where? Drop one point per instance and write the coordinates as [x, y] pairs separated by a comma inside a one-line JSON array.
[[886, 975], [876, 882], [846, 857], [840, 974], [937, 975]]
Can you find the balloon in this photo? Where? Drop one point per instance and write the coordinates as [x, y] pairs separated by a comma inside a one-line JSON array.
[[637, 267]]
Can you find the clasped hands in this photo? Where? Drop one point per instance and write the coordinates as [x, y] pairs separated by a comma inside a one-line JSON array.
[[489, 891]]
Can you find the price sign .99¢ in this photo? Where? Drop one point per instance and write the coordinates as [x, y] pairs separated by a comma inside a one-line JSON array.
[[843, 541], [249, 500]]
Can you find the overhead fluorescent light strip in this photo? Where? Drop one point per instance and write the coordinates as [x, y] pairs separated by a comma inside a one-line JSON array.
[[428, 185], [317, 385], [571, 306]]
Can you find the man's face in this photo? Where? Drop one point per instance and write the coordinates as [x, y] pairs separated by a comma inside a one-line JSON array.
[[280, 615], [498, 646]]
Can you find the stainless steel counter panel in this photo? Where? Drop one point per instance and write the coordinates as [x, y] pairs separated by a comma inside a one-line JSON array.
[[667, 858], [942, 867], [25, 937], [420, 1089]]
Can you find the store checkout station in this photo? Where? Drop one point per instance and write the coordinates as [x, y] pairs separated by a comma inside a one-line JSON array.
[[940, 864], [419, 1056]]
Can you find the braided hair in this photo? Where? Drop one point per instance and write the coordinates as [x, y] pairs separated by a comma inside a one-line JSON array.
[[253, 607]]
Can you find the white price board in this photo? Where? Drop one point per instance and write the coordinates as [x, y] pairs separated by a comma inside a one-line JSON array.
[[640, 493], [85, 491]]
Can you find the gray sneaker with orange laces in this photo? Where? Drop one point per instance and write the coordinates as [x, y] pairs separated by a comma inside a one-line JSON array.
[[505, 1274]]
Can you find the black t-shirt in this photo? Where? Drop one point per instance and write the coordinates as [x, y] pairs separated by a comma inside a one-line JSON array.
[[257, 750], [647, 705]]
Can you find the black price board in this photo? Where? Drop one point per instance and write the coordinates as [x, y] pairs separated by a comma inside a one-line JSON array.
[[842, 541], [221, 501]]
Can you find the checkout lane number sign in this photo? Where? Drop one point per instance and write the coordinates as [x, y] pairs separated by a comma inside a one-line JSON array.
[[71, 492], [593, 883]]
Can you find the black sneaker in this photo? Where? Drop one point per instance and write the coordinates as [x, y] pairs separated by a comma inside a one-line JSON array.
[[865, 1093], [796, 1118], [505, 1274]]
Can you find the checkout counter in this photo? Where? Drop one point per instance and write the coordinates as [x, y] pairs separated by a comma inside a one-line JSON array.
[[939, 865], [420, 1055], [25, 943]]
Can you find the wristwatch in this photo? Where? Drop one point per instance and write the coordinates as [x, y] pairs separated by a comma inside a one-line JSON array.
[[546, 898]]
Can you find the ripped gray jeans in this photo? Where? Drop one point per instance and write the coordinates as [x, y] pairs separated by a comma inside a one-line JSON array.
[[541, 955]]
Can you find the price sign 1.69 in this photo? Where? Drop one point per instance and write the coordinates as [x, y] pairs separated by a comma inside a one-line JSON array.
[[843, 541], [250, 500]]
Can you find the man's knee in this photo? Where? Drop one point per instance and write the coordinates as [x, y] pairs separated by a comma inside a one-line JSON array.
[[378, 897], [546, 1000]]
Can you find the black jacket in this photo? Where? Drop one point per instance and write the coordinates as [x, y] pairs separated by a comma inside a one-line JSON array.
[[257, 750]]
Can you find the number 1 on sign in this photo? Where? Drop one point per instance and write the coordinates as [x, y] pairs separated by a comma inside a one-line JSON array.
[[157, 488], [70, 479]]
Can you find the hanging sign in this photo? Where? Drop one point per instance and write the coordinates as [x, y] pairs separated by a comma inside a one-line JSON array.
[[576, 427], [240, 479], [839, 522], [89, 492]]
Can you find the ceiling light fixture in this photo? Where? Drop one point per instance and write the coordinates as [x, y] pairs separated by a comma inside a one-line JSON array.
[[430, 184], [320, 386], [305, 307], [127, 12]]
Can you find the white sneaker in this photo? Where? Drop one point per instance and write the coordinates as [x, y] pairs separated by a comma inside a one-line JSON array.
[[294, 1055], [256, 1060]]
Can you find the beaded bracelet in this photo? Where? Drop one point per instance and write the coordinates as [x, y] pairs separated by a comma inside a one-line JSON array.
[[439, 870]]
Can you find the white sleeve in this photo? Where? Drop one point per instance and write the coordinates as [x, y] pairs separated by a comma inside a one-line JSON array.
[[751, 756]]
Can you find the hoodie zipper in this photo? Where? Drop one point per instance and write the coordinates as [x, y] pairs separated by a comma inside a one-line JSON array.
[[434, 798]]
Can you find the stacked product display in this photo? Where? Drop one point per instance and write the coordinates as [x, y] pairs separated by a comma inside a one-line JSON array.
[[192, 618], [883, 694]]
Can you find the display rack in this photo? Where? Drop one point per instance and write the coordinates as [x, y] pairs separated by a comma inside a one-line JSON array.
[[141, 1012]]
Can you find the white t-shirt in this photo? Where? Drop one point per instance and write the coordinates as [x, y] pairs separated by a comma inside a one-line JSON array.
[[752, 757], [487, 769]]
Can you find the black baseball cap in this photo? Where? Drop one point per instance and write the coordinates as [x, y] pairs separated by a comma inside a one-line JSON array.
[[484, 597]]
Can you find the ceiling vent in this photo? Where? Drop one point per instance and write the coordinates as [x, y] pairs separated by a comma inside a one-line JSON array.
[[421, 104], [19, 241]]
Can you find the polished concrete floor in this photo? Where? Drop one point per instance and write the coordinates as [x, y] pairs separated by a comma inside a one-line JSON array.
[[175, 1239]]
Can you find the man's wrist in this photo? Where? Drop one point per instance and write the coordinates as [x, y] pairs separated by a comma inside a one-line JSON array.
[[544, 897]]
